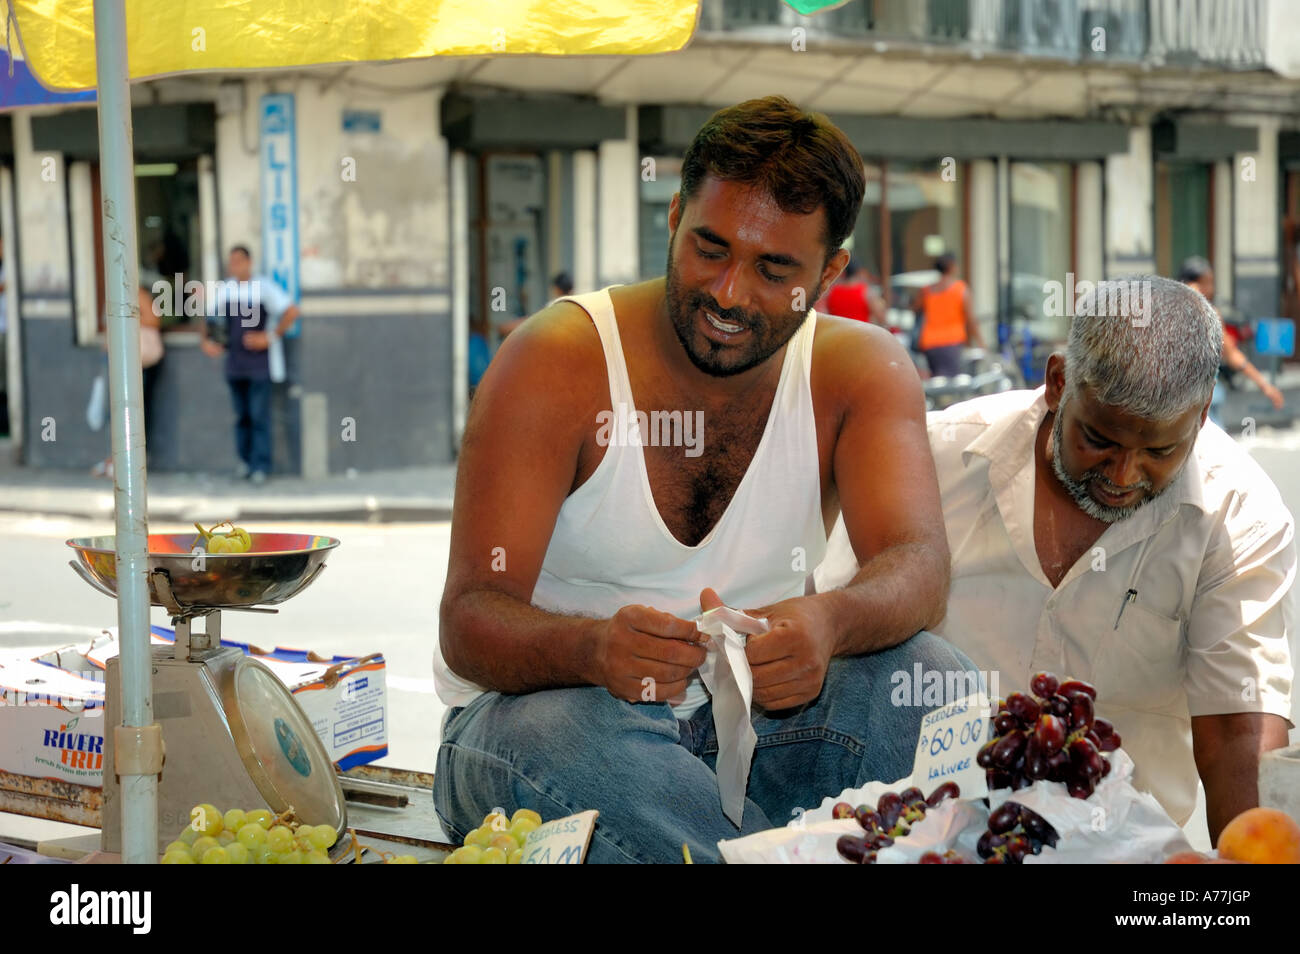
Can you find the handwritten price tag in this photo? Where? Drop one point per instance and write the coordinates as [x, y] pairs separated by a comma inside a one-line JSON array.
[[560, 842], [950, 739]]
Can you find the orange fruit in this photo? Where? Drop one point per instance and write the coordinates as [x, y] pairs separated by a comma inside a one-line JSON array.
[[1261, 836]]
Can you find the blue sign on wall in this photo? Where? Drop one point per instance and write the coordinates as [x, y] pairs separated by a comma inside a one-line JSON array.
[[279, 174], [361, 121], [1275, 336]]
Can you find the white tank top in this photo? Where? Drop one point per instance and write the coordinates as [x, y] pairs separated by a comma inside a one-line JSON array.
[[611, 548]]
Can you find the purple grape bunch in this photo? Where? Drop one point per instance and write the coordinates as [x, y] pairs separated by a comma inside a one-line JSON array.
[[1053, 734], [892, 818], [1013, 833]]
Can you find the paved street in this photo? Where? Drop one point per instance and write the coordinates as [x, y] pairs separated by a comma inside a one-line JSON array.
[[379, 593]]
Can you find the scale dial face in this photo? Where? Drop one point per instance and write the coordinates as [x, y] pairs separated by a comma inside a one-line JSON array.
[[279, 747]]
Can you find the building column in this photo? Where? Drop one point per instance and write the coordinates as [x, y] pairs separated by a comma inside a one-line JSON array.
[[1223, 188], [209, 247], [617, 259], [1002, 196], [555, 254], [42, 226], [1088, 241], [1130, 246], [982, 256], [85, 267], [584, 221], [1255, 267], [14, 333], [39, 246], [459, 226]]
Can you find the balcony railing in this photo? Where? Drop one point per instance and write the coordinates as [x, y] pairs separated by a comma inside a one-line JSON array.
[[1226, 34]]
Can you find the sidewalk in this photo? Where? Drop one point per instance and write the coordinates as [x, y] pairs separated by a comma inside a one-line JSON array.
[[409, 494]]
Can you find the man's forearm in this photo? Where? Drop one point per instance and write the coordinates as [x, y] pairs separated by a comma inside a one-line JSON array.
[[507, 645], [897, 593], [1227, 749], [1231, 790], [286, 320], [1256, 375]]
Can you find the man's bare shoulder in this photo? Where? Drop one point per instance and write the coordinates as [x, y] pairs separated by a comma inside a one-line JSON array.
[[853, 359], [556, 348], [561, 329]]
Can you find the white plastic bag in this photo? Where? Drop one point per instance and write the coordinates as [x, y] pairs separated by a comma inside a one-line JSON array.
[[953, 825], [97, 407], [726, 676], [1117, 824]]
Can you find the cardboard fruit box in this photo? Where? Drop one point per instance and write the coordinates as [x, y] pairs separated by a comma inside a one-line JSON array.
[[52, 705]]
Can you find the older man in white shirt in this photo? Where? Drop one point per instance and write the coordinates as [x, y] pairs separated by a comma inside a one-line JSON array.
[[1101, 529]]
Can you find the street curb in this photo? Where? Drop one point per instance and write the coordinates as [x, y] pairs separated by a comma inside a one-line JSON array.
[[366, 511]]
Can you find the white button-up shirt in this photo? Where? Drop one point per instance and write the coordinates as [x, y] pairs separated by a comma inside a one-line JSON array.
[[1182, 609]]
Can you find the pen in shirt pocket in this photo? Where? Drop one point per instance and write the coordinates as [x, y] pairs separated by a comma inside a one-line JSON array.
[[1129, 597]]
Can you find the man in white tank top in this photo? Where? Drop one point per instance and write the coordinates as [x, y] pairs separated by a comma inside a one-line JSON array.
[[641, 453]]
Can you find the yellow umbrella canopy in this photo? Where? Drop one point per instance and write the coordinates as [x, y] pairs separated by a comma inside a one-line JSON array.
[[174, 36]]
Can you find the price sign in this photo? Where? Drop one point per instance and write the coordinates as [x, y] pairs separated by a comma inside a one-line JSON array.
[[560, 842], [950, 739]]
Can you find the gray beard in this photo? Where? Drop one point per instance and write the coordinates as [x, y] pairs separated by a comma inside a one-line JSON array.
[[1078, 489]]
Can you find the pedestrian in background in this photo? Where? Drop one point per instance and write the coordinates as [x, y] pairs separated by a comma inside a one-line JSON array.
[[850, 295], [1197, 273], [252, 309], [947, 324], [561, 286]]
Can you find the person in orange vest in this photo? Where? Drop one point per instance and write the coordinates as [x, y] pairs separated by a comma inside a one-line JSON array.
[[947, 324]]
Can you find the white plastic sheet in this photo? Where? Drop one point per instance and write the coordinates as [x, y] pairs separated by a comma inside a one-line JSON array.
[[726, 676]]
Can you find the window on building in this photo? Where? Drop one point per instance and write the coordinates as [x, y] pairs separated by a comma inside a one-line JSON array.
[[1042, 240], [866, 245], [910, 215], [1184, 204], [167, 232], [507, 231], [925, 215]]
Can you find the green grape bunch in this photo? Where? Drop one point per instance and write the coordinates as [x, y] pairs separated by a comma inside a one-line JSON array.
[[256, 837], [235, 540], [498, 841]]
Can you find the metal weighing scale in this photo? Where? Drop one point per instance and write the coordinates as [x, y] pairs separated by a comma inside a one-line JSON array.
[[235, 736]]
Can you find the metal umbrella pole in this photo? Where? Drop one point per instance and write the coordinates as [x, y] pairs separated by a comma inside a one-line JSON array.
[[137, 741]]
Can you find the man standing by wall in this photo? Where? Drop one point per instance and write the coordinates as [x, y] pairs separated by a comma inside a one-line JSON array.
[[252, 309]]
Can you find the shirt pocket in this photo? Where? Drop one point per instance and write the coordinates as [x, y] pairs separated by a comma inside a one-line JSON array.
[[1143, 662]]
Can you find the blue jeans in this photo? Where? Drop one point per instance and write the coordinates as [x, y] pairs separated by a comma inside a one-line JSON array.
[[651, 776], [252, 400]]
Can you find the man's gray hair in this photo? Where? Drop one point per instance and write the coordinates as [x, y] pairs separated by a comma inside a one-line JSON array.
[[1156, 365]]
